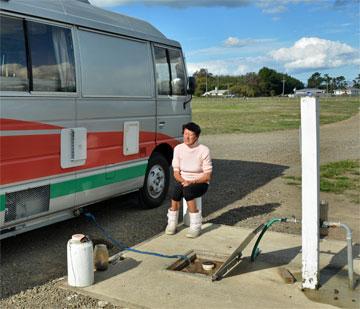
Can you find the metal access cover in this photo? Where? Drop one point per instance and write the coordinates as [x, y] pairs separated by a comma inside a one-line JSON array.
[[234, 259]]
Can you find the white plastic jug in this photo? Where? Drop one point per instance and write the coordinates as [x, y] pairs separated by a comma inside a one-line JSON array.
[[80, 261]]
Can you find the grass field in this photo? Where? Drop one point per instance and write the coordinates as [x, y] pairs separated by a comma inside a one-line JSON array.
[[238, 115], [340, 177]]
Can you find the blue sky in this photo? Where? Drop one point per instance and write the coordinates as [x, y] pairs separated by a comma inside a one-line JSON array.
[[297, 37]]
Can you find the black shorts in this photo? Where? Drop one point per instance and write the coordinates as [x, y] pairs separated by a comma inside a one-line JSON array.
[[190, 192]]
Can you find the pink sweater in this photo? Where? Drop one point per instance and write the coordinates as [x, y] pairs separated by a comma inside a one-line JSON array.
[[192, 162]]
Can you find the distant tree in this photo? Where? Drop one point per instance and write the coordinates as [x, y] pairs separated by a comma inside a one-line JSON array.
[[315, 80], [356, 82], [202, 73], [340, 82], [292, 83], [252, 80], [202, 77], [270, 82], [326, 83], [242, 91], [267, 82]]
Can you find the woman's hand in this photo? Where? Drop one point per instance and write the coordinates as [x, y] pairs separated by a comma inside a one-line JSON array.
[[186, 183]]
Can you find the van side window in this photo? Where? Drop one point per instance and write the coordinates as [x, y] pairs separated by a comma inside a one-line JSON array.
[[13, 65], [162, 71], [177, 72], [52, 58], [115, 66]]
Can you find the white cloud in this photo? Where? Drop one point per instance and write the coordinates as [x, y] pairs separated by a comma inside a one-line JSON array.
[[234, 47], [279, 6], [273, 9], [234, 66], [232, 41], [220, 67], [311, 53], [236, 42]]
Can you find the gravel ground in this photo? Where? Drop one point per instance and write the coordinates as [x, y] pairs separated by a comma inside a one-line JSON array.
[[50, 296], [247, 189]]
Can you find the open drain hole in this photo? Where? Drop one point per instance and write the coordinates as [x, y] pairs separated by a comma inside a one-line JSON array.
[[204, 263]]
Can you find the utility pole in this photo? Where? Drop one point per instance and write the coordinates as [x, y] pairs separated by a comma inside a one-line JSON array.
[[327, 86], [206, 73], [283, 91]]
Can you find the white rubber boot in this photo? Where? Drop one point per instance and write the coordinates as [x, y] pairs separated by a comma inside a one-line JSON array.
[[173, 217], [195, 225]]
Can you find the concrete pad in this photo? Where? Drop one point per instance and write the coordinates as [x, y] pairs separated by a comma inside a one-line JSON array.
[[143, 281]]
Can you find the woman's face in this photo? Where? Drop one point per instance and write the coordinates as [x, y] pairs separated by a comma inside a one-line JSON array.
[[189, 137]]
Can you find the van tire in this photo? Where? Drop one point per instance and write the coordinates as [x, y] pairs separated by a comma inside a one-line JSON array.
[[156, 183]]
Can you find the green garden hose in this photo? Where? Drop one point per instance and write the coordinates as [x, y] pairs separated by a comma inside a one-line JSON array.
[[255, 251]]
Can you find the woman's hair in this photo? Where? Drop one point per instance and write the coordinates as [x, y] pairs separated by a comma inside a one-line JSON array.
[[193, 127]]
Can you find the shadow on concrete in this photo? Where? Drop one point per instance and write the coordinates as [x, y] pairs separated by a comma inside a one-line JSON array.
[[337, 264], [233, 216], [116, 269], [265, 261], [38, 256]]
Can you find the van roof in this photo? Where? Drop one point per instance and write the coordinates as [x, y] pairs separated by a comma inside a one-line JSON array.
[[82, 13]]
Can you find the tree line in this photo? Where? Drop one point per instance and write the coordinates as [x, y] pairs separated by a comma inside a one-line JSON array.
[[329, 83], [267, 82]]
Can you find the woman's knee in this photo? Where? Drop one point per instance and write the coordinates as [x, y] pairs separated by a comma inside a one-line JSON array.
[[194, 191]]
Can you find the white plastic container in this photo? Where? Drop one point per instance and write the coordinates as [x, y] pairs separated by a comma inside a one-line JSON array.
[[186, 217], [80, 261]]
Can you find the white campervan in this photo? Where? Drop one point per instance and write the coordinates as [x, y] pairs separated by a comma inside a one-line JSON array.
[[92, 104]]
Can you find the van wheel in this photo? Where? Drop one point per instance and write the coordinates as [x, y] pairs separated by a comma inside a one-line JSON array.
[[156, 183]]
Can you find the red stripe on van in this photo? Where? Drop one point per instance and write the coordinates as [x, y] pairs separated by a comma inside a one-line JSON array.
[[35, 156], [16, 125]]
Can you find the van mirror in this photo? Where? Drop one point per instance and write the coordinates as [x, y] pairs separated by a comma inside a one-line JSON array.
[[191, 85]]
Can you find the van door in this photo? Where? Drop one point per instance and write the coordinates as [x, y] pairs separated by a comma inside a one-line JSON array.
[[171, 82]]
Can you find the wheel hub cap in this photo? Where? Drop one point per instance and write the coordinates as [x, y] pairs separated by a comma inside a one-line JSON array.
[[156, 181]]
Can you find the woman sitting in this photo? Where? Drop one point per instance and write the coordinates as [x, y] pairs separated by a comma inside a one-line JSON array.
[[192, 172]]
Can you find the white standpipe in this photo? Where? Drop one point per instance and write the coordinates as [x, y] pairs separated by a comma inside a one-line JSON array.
[[310, 184], [186, 217]]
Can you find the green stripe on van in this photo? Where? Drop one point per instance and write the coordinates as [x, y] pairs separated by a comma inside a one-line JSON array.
[[2, 202], [96, 181]]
